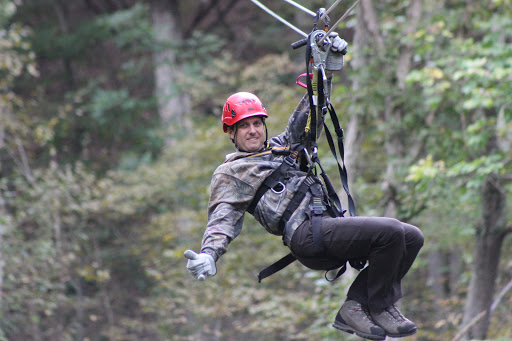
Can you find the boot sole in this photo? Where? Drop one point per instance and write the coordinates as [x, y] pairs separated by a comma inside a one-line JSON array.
[[348, 329]]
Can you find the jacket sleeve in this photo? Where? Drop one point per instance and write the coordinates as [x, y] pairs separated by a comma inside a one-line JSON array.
[[230, 197], [295, 129]]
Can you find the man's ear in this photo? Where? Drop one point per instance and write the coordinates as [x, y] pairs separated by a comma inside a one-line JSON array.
[[231, 132]]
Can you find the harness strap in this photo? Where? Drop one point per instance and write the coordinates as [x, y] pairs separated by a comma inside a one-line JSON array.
[[317, 210], [277, 266], [341, 168], [310, 133], [335, 208], [296, 200], [271, 180]]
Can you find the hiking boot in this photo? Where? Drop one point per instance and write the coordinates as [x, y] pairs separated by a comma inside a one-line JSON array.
[[393, 322], [355, 318]]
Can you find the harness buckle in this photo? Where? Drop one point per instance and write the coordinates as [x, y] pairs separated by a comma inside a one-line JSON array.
[[289, 160], [317, 207]]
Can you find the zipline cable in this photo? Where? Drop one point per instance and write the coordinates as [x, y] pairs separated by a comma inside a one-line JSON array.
[[342, 18], [263, 7], [291, 2]]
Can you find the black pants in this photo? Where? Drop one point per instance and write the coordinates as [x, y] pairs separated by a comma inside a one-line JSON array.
[[390, 246]]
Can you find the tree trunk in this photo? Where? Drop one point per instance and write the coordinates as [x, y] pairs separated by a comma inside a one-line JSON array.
[[489, 240], [353, 135], [395, 143], [436, 276], [3, 228], [173, 102], [3, 212]]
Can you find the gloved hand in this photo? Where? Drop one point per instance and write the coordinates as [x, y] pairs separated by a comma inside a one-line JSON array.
[[335, 58], [200, 265], [338, 44]]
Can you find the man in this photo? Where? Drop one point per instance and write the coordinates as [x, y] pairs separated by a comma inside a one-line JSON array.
[[315, 237]]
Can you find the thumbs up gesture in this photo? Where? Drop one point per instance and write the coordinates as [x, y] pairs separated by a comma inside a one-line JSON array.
[[200, 265]]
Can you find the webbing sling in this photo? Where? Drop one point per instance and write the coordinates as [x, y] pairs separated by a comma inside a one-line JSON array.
[[341, 168]]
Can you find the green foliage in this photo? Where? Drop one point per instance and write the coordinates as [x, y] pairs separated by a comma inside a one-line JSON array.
[[16, 56], [119, 26], [97, 213], [129, 29], [213, 74], [468, 81], [110, 116], [465, 91]]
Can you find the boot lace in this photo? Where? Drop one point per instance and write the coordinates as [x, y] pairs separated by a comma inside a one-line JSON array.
[[359, 308], [396, 314]]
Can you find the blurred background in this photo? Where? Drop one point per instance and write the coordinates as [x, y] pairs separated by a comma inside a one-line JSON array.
[[110, 131]]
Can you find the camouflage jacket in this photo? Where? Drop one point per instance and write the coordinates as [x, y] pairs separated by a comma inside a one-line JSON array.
[[235, 182]]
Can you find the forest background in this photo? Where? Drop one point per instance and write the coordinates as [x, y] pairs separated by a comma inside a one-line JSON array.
[[110, 131]]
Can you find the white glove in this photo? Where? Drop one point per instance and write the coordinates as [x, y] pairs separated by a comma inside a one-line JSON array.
[[338, 44], [335, 58], [200, 265]]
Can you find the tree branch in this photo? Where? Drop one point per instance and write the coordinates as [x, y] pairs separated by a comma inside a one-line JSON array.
[[203, 12], [482, 314], [469, 325], [22, 161], [502, 293]]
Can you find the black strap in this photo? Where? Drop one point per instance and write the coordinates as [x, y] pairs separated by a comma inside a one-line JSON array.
[[334, 201], [311, 137], [277, 266], [296, 200], [341, 168], [317, 210], [340, 272], [271, 181]]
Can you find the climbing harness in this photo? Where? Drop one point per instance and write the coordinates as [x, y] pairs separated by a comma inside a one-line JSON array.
[[319, 60]]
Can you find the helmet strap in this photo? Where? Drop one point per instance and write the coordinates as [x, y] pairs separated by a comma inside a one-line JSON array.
[[265, 144]]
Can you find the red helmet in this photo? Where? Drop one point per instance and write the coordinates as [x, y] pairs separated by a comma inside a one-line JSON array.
[[239, 106]]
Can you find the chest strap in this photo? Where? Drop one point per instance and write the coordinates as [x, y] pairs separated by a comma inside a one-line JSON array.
[[272, 180]]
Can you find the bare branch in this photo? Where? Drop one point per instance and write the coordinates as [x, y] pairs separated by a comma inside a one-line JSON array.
[[21, 161], [203, 12], [24, 161], [482, 314], [502, 293], [469, 325]]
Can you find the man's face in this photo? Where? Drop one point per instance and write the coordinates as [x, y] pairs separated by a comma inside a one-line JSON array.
[[249, 134]]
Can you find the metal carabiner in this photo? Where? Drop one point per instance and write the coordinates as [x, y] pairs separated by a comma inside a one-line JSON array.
[[308, 158], [318, 52]]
